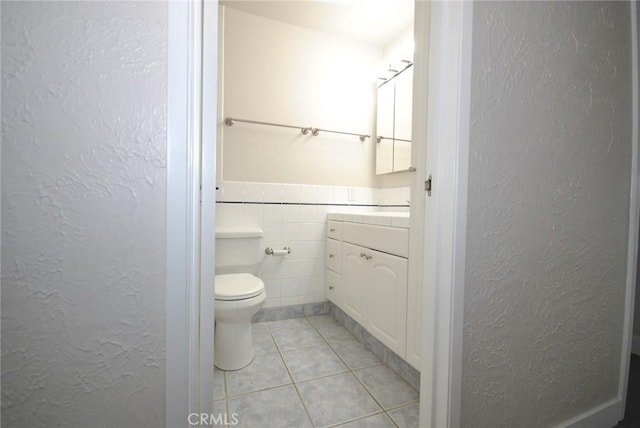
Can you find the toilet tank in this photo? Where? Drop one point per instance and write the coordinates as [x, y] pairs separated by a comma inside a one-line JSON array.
[[238, 246]]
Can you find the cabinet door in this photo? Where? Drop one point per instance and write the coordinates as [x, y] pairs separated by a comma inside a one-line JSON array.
[[333, 289], [403, 105], [386, 291], [402, 120], [384, 128], [386, 100], [354, 277]]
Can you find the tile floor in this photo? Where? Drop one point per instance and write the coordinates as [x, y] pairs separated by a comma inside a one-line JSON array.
[[311, 372]]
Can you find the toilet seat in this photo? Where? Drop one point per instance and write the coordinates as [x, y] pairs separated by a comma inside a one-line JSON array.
[[238, 286]]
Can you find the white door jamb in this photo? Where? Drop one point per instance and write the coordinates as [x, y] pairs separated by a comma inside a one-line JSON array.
[[448, 125]]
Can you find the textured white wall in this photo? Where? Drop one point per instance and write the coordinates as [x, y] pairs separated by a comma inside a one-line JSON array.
[[549, 180], [83, 213]]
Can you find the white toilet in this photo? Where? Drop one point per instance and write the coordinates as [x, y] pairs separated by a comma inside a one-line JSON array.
[[239, 294]]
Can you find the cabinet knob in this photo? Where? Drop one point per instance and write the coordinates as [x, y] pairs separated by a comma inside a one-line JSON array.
[[331, 287], [331, 256], [332, 229]]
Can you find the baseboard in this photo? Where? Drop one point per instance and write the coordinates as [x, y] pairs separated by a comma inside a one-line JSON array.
[[293, 311], [386, 355], [603, 416], [635, 345]]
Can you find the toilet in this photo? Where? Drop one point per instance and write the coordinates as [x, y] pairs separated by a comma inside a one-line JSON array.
[[239, 294]]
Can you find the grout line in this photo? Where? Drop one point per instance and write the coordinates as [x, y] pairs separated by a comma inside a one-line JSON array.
[[350, 371], [365, 417], [244, 394], [295, 383], [295, 386], [227, 408], [383, 359], [362, 368]]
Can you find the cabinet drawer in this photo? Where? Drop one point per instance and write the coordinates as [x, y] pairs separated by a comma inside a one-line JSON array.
[[333, 287], [392, 240], [334, 230], [334, 255]]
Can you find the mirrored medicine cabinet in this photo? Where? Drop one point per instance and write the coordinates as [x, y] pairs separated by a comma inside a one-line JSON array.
[[393, 129]]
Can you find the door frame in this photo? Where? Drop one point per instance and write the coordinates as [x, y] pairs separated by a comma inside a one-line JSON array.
[[445, 211], [445, 221], [191, 180], [634, 216], [191, 163]]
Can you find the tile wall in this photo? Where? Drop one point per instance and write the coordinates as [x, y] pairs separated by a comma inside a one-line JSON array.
[[295, 216]]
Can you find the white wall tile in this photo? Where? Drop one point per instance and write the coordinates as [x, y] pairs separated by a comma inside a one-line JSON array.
[[270, 271], [272, 213], [273, 287], [318, 285], [325, 194], [290, 287], [290, 232], [395, 195], [219, 192], [310, 249], [219, 214], [312, 298], [305, 285], [289, 301], [321, 231], [272, 303], [253, 214], [291, 193], [289, 268], [253, 192], [232, 214], [340, 195], [233, 191], [309, 194], [272, 232], [366, 196], [272, 192], [291, 213], [308, 232], [314, 266]]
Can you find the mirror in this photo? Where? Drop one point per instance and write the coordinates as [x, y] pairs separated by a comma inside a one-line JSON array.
[[393, 130], [393, 125]]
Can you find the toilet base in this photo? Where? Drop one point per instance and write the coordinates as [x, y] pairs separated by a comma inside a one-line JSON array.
[[233, 345]]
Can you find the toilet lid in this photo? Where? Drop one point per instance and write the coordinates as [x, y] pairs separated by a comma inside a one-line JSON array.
[[238, 286]]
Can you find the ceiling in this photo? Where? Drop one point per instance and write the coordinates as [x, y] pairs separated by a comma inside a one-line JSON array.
[[375, 22]]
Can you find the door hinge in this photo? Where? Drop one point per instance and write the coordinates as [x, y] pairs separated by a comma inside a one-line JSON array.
[[427, 185]]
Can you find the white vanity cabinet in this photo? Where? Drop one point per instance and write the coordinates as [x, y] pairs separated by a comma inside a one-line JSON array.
[[371, 284]]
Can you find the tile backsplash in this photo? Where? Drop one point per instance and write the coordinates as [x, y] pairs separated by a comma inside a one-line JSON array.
[[295, 216]]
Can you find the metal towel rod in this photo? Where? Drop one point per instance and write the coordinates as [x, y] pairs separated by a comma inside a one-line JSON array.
[[229, 121], [380, 138]]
